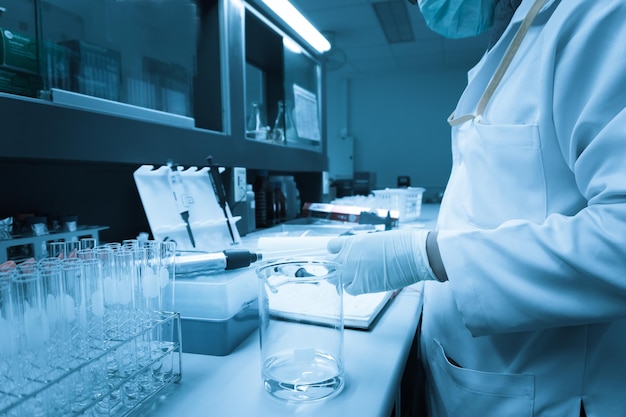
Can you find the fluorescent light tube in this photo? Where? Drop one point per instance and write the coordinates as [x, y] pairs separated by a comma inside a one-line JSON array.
[[299, 23]]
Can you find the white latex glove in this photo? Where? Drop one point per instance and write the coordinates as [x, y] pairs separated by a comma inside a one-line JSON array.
[[382, 261]]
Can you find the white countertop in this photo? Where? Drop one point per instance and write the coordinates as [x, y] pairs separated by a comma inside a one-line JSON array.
[[231, 385]]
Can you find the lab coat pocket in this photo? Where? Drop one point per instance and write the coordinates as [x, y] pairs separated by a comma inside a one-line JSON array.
[[505, 174], [470, 392]]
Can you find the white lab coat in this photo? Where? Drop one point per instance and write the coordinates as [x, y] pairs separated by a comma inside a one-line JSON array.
[[532, 228]]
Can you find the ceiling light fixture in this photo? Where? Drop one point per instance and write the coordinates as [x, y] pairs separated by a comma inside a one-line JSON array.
[[292, 17]]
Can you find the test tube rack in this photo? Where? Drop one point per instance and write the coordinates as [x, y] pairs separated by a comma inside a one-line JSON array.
[[162, 368], [37, 244]]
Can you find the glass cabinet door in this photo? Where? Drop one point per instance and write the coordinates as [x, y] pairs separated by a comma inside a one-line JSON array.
[[19, 66], [302, 96], [283, 87], [139, 52]]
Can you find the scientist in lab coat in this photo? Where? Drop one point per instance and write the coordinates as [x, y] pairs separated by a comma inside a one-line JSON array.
[[531, 236]]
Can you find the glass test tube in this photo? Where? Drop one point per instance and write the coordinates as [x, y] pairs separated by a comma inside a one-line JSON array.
[[88, 243], [29, 371], [163, 370], [57, 250], [71, 248], [8, 342], [55, 293], [75, 306]]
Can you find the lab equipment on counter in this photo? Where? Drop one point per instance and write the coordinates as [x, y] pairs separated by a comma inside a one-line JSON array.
[[76, 342], [183, 201], [401, 204], [220, 193], [215, 294], [264, 195], [250, 209], [347, 212], [301, 361], [24, 246], [210, 222], [359, 311], [218, 310], [204, 263], [406, 201]]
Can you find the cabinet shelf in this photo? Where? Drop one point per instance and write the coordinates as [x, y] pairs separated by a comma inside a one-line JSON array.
[[35, 129], [44, 142]]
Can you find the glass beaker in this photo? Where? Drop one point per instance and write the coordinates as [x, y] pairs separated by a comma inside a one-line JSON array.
[[301, 329]]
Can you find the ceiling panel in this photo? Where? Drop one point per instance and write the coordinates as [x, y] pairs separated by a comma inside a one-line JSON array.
[[352, 28]]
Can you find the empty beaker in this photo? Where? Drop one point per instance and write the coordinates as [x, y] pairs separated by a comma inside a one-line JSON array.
[[301, 329]]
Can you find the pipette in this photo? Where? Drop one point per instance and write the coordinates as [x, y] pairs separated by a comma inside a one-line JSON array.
[[178, 189], [280, 247], [216, 261], [220, 193]]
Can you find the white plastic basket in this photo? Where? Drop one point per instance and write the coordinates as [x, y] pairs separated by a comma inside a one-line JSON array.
[[408, 201]]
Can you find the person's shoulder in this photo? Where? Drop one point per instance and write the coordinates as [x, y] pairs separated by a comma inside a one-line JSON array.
[[569, 18], [588, 8]]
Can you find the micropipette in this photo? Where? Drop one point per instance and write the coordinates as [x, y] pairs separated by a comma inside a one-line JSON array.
[[216, 261], [220, 193], [178, 189]]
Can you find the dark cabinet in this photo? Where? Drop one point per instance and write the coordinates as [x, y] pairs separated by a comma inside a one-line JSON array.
[[90, 90]]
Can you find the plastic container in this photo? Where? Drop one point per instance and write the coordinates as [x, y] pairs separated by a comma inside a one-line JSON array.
[[219, 337], [218, 311], [215, 296], [407, 201]]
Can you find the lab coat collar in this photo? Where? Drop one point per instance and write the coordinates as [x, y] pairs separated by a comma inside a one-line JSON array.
[[521, 13], [523, 9]]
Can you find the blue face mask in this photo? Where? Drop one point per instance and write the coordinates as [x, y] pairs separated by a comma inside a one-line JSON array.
[[458, 18]]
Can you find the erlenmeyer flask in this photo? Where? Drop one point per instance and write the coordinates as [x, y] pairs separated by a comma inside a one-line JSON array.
[[278, 133], [255, 128]]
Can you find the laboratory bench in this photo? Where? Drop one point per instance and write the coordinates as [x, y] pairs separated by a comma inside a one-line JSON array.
[[377, 362], [231, 385]]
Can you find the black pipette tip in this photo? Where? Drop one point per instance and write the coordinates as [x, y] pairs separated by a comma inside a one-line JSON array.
[[240, 258], [220, 193]]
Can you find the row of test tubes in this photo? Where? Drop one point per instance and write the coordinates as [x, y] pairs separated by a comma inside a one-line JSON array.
[[80, 331]]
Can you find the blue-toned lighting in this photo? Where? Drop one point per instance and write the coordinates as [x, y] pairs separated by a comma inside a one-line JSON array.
[[291, 45], [299, 23]]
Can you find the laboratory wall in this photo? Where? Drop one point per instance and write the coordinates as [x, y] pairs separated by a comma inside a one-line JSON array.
[[398, 125]]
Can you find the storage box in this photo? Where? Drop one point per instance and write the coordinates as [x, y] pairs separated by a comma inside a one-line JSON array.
[[18, 82], [170, 83], [217, 311], [215, 296], [18, 64], [219, 337], [407, 201], [18, 51], [95, 70]]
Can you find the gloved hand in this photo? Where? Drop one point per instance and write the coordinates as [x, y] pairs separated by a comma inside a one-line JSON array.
[[382, 261]]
